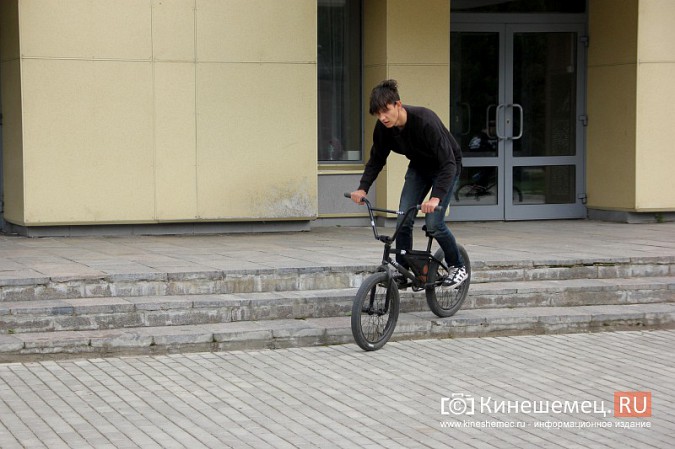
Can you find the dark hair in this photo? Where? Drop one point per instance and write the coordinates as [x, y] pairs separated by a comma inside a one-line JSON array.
[[382, 95]]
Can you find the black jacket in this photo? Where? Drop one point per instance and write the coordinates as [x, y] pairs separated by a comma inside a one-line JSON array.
[[425, 141]]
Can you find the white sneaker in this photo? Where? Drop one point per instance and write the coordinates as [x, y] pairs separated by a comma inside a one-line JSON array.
[[456, 277]]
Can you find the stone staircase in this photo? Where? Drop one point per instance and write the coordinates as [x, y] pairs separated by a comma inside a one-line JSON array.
[[158, 313]]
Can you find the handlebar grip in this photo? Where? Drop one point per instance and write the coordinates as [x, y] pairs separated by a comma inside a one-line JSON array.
[[438, 208], [349, 195]]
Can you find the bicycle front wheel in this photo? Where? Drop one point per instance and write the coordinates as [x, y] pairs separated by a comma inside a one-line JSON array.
[[375, 311], [446, 301]]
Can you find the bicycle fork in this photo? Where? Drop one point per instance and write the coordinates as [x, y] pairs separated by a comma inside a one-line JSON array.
[[372, 308]]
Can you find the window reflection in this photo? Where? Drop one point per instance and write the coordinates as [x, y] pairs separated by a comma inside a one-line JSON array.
[[339, 80], [544, 84], [477, 186], [551, 184], [474, 87]]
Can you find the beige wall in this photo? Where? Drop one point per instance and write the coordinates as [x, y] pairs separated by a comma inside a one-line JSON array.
[[407, 41], [171, 110], [612, 60], [630, 98], [655, 142]]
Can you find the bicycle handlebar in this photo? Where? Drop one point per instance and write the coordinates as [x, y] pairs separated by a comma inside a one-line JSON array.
[[397, 212]]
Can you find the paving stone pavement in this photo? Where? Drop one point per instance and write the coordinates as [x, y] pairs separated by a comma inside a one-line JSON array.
[[339, 396], [498, 392]]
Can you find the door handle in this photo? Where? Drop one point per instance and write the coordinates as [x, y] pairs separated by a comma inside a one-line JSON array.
[[520, 133], [497, 122]]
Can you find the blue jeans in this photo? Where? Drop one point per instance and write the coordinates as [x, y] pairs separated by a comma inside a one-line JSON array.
[[415, 189]]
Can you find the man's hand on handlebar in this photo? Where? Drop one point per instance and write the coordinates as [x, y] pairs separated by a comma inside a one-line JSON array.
[[430, 205], [358, 195]]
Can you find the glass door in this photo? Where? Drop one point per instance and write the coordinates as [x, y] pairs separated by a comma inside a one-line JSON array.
[[516, 111], [476, 80]]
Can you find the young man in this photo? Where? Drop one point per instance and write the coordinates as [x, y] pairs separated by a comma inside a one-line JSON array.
[[435, 162]]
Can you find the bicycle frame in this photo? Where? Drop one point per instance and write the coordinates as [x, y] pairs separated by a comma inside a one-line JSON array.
[[417, 285]]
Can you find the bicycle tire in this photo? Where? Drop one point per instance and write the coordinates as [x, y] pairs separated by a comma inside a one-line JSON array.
[[373, 326], [446, 301]]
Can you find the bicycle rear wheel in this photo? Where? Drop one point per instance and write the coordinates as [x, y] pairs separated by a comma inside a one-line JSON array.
[[375, 311], [446, 301]]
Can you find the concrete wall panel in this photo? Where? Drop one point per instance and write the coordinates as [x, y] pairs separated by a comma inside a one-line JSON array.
[[256, 153], [655, 158], [612, 84], [175, 141], [89, 29], [88, 141], [611, 137], [256, 30], [173, 30]]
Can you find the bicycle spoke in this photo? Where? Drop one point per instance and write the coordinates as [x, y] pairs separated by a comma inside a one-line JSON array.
[[375, 312]]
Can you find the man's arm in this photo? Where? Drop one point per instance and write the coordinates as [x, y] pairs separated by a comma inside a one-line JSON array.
[[373, 168], [441, 144], [375, 164]]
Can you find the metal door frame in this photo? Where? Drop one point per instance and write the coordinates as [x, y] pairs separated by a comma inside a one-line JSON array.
[[506, 25], [490, 211], [546, 211]]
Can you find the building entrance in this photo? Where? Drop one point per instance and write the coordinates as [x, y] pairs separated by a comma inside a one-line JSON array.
[[518, 112]]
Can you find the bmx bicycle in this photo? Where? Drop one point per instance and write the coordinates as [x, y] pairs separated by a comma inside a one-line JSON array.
[[377, 302]]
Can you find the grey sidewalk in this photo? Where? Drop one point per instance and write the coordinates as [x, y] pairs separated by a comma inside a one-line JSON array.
[[466, 393], [339, 396], [77, 257]]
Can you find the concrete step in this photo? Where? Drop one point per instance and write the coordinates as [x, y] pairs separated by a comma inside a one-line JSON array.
[[310, 278], [149, 311], [571, 292], [336, 330]]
